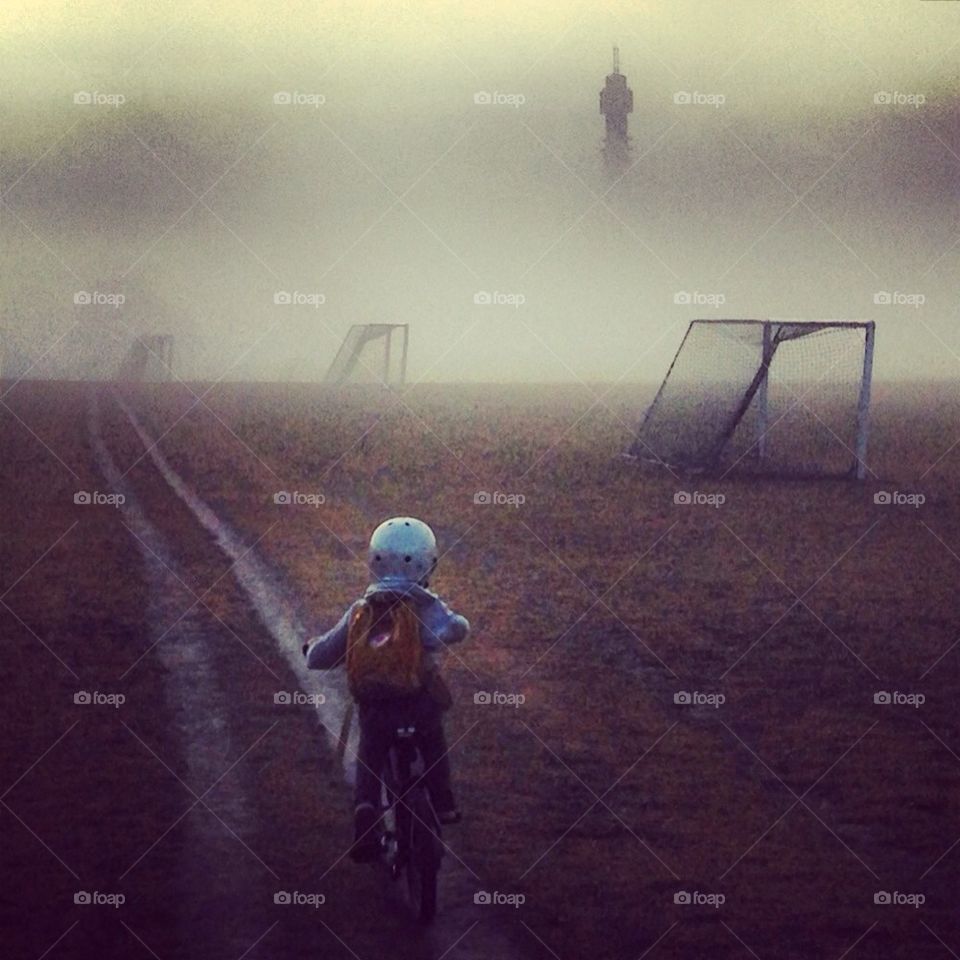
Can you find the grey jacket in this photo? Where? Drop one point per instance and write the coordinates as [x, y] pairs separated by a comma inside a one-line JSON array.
[[439, 627]]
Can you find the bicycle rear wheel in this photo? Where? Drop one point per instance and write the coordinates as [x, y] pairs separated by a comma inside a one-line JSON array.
[[425, 854]]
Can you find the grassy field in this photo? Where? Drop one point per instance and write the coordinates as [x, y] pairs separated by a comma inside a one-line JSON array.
[[595, 601]]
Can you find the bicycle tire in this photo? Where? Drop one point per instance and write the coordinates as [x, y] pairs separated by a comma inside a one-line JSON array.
[[424, 855]]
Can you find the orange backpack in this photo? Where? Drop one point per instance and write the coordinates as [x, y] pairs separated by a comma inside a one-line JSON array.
[[384, 652]]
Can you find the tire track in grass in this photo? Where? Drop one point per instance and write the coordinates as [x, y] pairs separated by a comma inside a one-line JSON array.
[[266, 591], [464, 928], [214, 859]]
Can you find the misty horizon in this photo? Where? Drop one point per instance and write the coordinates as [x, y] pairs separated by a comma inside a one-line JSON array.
[[392, 196]]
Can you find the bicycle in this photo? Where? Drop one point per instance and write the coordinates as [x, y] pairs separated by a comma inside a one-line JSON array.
[[411, 843]]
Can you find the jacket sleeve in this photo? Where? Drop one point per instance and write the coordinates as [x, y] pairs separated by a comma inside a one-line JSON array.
[[327, 652], [442, 627]]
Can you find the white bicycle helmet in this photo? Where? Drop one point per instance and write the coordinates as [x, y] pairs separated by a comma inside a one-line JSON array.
[[403, 550]]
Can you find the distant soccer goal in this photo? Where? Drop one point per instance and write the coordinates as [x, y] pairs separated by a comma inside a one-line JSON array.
[[372, 353], [778, 397], [150, 358]]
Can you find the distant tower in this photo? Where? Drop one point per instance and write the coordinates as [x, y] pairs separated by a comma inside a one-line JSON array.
[[616, 101]]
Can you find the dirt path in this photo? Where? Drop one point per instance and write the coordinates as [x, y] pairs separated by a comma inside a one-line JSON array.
[[194, 701]]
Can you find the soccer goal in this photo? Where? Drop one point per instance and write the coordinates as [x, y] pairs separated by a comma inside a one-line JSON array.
[[150, 358], [372, 353], [783, 397]]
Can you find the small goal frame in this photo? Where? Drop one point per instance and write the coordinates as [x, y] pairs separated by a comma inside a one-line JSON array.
[[149, 352], [774, 333], [348, 356]]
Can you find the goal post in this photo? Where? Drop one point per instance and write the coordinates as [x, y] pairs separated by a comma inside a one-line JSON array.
[[788, 397], [367, 355]]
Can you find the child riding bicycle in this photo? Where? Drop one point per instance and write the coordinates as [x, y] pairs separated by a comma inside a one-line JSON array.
[[390, 640]]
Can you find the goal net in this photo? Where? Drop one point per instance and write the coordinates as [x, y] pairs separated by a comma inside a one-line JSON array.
[[786, 397], [150, 358], [371, 353]]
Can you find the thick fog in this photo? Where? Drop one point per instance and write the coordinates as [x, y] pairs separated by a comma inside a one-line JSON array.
[[814, 173]]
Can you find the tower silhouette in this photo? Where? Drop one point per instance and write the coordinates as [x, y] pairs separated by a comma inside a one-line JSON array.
[[616, 102]]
